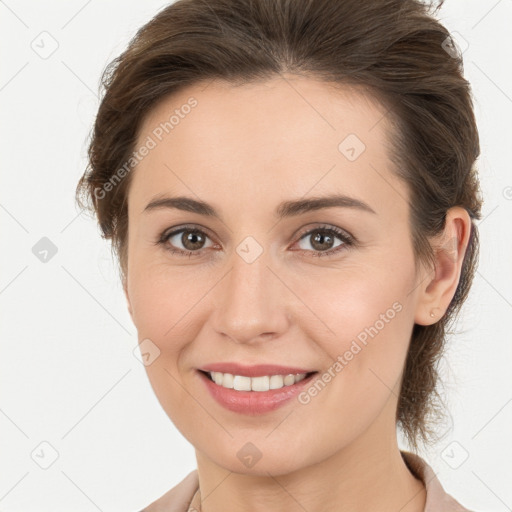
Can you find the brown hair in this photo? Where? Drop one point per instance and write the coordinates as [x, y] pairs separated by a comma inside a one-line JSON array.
[[394, 49]]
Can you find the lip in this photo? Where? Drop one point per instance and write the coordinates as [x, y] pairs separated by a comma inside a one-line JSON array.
[[258, 370], [254, 402]]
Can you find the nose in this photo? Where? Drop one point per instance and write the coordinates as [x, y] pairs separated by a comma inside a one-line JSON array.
[[251, 304]]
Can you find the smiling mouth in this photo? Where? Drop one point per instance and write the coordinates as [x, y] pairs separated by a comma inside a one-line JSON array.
[[255, 384]]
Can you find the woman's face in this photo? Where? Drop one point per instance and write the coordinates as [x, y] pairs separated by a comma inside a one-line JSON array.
[[266, 283]]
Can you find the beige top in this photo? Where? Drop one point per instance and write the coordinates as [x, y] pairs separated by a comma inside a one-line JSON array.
[[184, 497]]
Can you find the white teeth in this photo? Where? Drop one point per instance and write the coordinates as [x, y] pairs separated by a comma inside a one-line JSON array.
[[264, 383], [239, 383], [227, 380], [260, 383]]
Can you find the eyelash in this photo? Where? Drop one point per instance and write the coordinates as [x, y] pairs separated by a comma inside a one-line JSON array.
[[348, 241]]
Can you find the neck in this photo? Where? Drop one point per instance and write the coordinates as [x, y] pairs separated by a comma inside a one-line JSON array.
[[367, 475]]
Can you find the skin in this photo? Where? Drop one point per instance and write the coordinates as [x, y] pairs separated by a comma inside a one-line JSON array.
[[339, 452]]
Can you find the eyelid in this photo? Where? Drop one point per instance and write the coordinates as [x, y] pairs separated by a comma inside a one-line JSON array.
[[166, 233], [327, 227]]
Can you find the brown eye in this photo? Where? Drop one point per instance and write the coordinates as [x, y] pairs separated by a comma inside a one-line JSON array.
[[192, 240], [322, 241], [185, 241]]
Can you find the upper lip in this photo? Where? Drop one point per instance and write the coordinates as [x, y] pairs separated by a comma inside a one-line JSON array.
[[257, 370]]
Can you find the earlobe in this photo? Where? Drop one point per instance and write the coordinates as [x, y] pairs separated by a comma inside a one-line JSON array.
[[437, 291]]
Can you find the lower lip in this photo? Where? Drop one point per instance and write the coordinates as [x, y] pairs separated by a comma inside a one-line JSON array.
[[254, 402]]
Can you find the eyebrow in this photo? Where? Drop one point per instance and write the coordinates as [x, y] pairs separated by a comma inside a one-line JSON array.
[[285, 209]]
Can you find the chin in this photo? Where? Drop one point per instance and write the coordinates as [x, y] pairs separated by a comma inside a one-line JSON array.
[[275, 463], [261, 468]]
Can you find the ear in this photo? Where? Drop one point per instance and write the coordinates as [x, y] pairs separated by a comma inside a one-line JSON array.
[[438, 288], [125, 289]]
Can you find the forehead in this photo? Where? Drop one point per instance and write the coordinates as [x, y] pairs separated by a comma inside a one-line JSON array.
[[294, 133], [267, 107]]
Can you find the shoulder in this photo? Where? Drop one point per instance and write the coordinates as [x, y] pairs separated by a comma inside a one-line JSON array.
[[438, 500], [178, 498]]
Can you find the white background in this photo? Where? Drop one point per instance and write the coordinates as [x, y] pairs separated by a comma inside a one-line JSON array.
[[68, 374]]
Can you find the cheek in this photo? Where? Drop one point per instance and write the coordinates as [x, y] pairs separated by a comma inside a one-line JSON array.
[[164, 304], [163, 301], [355, 303], [367, 326]]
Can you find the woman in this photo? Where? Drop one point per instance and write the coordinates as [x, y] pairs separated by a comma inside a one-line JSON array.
[[291, 192]]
